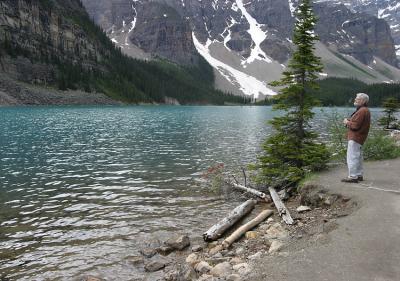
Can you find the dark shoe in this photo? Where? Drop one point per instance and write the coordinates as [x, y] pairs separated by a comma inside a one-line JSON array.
[[360, 178], [350, 180]]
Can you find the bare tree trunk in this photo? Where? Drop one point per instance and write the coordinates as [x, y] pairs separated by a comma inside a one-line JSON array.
[[246, 227], [252, 191], [283, 211], [234, 216]]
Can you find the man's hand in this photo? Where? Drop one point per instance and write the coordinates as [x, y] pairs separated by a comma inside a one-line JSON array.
[[345, 121]]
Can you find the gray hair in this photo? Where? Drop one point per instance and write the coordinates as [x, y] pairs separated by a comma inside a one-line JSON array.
[[363, 96]]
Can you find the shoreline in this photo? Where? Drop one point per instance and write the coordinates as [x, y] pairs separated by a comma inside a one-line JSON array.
[[210, 261]]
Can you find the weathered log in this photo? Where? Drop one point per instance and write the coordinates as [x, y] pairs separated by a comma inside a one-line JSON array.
[[246, 227], [252, 191], [235, 215], [282, 210]]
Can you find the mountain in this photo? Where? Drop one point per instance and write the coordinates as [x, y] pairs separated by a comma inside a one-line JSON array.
[[49, 44], [389, 10], [248, 42]]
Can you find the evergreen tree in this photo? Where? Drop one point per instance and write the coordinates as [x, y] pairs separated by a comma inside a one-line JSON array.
[[293, 150], [391, 105]]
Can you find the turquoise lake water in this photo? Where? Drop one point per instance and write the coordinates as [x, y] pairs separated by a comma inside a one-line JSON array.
[[81, 188]]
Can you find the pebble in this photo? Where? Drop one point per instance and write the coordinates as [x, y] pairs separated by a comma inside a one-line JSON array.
[[252, 234], [136, 260], [178, 243], [197, 248], [154, 266], [240, 251], [148, 252], [275, 247], [233, 277], [276, 231], [202, 267], [165, 250], [192, 259], [236, 260], [215, 250], [242, 268], [221, 269], [255, 256], [302, 209]]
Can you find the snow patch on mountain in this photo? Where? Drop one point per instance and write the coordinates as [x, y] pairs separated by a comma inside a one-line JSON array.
[[228, 37], [257, 35], [292, 6], [249, 85]]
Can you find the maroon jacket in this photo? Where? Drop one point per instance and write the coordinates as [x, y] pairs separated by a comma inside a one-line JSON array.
[[358, 125]]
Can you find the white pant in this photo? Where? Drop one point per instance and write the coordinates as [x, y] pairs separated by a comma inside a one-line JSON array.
[[354, 159]]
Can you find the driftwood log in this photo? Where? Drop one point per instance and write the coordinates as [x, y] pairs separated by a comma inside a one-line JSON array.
[[216, 231], [252, 191], [282, 210], [246, 227]]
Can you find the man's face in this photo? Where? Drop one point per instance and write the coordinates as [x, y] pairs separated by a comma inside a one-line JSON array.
[[358, 101]]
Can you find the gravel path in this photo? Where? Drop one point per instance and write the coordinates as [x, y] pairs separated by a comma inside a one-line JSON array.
[[364, 246]]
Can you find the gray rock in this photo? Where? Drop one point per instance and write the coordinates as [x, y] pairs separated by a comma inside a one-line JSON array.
[[148, 252], [136, 260], [240, 251], [276, 246], [192, 259], [302, 209], [221, 269], [255, 256], [217, 260], [242, 268], [233, 277], [216, 250], [171, 275], [190, 274], [206, 277], [165, 250], [178, 243], [276, 231], [197, 248], [236, 260], [154, 265], [202, 267]]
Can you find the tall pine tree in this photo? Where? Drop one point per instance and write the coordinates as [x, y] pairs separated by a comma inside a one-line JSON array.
[[293, 150]]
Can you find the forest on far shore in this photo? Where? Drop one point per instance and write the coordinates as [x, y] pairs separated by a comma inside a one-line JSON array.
[[341, 92]]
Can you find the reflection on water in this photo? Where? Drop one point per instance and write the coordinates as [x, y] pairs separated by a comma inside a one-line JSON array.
[[81, 187]]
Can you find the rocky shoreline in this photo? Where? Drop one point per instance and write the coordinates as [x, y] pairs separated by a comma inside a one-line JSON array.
[[14, 93], [179, 259]]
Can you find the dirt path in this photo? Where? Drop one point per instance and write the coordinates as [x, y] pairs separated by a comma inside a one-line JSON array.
[[365, 245]]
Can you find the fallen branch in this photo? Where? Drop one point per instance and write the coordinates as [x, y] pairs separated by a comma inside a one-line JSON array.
[[235, 215], [282, 210], [245, 177], [252, 191], [246, 227]]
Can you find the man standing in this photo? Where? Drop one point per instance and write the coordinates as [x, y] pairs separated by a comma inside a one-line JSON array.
[[358, 128]]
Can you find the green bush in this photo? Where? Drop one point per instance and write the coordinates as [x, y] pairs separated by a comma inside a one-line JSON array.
[[380, 146]]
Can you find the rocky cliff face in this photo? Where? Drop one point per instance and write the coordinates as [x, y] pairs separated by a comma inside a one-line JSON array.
[[45, 35], [356, 34], [154, 27], [161, 30], [388, 10]]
